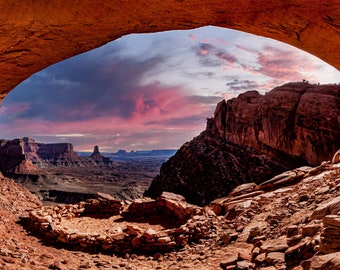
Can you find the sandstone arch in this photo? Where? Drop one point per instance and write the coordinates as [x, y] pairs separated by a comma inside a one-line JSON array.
[[36, 34]]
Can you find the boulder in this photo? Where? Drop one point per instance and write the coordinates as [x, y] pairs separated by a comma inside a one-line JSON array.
[[332, 207], [323, 262], [330, 235], [230, 259]]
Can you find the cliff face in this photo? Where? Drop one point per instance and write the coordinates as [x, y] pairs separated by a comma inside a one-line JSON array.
[[299, 119], [253, 137], [25, 155]]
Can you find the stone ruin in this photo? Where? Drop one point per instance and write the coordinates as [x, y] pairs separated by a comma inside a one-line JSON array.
[[182, 223], [277, 239]]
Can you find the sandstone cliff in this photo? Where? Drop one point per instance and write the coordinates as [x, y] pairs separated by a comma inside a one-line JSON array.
[[253, 137], [26, 156]]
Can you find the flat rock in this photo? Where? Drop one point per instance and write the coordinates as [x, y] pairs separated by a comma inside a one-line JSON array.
[[332, 221], [275, 257], [330, 208], [150, 233], [323, 262], [275, 245], [230, 259], [172, 196], [280, 180], [310, 229], [242, 189]]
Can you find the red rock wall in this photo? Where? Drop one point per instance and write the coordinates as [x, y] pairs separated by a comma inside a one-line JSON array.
[[298, 119], [252, 138], [36, 34], [57, 150], [20, 154]]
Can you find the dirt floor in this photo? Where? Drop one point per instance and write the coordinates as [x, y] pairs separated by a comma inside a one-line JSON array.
[[100, 224]]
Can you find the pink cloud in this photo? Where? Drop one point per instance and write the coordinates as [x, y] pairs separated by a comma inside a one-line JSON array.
[[159, 104], [204, 52], [281, 64], [278, 64], [222, 41], [155, 121]]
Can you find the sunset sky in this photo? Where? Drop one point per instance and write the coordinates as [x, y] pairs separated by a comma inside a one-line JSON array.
[[150, 91]]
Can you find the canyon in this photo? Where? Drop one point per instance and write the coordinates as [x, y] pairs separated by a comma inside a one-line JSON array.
[[251, 138], [56, 173]]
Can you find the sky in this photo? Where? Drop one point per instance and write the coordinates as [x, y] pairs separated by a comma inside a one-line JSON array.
[[150, 91]]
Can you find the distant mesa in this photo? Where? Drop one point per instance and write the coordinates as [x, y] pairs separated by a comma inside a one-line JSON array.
[[121, 152], [144, 153], [26, 156]]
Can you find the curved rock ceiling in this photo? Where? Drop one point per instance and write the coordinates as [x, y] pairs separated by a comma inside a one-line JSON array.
[[36, 34]]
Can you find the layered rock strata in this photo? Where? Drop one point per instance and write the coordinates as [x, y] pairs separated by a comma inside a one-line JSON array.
[[306, 238], [26, 156], [330, 235], [252, 138]]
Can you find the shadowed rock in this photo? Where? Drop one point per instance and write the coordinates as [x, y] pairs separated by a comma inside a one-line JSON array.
[[254, 137]]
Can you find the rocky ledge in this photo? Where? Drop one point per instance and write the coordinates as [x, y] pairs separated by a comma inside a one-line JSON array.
[[252, 138], [290, 222]]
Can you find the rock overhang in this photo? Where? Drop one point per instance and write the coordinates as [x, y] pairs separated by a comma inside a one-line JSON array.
[[36, 35]]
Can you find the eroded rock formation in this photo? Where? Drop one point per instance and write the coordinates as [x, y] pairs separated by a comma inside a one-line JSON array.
[[54, 172], [98, 158], [37, 34], [26, 156], [252, 138]]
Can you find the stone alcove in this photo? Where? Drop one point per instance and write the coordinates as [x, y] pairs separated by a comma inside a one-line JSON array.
[[39, 33]]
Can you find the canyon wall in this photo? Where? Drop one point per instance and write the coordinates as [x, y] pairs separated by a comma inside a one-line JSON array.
[[36, 34], [252, 138], [25, 155]]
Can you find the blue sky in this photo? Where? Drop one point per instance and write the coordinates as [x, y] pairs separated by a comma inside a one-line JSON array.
[[151, 91]]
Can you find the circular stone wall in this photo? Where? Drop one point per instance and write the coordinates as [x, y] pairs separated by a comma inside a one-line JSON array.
[[114, 226]]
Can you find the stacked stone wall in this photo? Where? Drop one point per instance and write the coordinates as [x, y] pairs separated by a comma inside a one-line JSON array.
[[192, 225]]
